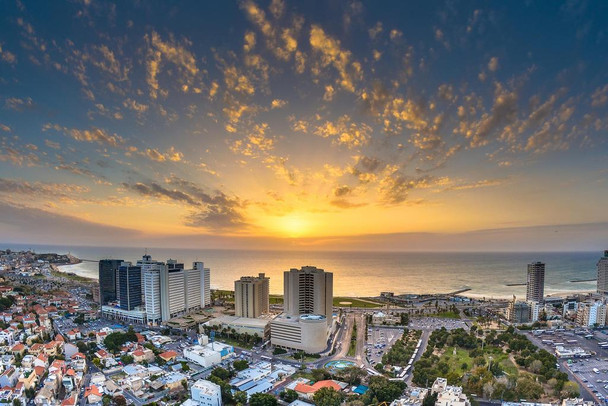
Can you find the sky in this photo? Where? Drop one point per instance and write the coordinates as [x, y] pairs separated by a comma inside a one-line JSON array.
[[430, 125]]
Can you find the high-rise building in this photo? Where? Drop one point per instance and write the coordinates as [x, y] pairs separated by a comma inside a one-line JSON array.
[[535, 291], [251, 296], [308, 290], [602, 274], [151, 271], [183, 290], [518, 312], [206, 283], [129, 280], [108, 269]]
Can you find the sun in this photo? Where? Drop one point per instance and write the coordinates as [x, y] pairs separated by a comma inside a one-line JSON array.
[[294, 225]]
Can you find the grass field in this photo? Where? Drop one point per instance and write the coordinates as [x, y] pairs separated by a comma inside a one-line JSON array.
[[456, 361], [355, 302], [444, 315], [276, 299]]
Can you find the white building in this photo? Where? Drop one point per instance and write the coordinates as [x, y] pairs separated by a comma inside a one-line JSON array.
[[150, 271], [205, 393], [170, 290], [602, 274], [448, 395], [209, 354], [252, 296], [591, 314], [308, 290], [307, 332]]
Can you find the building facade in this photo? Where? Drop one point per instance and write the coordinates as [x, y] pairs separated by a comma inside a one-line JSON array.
[[129, 278], [308, 290], [206, 393], [108, 269], [251, 296], [602, 274], [151, 271], [535, 291], [307, 332]]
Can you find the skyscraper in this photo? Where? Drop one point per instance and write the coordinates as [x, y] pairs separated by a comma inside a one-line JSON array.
[[536, 282], [308, 291], [602, 274], [129, 281], [151, 270], [251, 296], [108, 269]]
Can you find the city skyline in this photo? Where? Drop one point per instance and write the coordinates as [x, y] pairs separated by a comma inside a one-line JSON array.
[[282, 125]]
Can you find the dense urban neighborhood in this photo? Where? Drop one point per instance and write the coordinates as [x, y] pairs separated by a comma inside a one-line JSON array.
[[67, 341]]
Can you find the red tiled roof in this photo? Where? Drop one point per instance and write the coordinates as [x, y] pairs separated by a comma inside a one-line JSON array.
[[303, 388]]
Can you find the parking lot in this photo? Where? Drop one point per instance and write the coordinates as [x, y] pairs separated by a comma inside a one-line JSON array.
[[592, 372], [379, 341], [435, 323]]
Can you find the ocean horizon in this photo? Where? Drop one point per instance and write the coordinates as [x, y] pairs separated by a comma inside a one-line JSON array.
[[365, 273]]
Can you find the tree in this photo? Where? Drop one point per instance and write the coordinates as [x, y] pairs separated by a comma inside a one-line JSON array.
[[16, 402], [429, 399], [240, 398], [120, 400], [126, 359], [328, 397], [262, 399], [570, 390], [221, 373], [320, 374], [289, 395], [240, 365]]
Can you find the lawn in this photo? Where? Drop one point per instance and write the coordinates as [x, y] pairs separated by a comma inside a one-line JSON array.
[[355, 302], [275, 299], [444, 315], [456, 361]]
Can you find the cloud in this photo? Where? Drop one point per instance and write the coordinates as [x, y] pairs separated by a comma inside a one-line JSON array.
[[394, 186], [215, 210], [342, 191], [282, 42], [278, 103], [7, 56], [40, 189], [170, 154], [599, 96], [493, 64], [344, 132], [375, 30], [52, 144], [16, 156], [331, 53], [17, 104], [503, 113], [96, 135], [256, 143], [170, 51], [345, 204]]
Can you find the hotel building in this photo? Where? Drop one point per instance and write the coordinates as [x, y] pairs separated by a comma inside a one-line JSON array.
[[251, 296]]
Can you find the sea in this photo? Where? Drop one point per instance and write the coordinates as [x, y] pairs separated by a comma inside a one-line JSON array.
[[366, 274]]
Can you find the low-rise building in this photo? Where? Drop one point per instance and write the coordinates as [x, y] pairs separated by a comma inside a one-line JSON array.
[[307, 332], [205, 393]]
